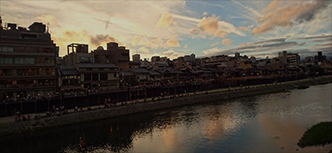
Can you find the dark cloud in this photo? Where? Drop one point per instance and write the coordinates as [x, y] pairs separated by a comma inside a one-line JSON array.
[[325, 45], [309, 15], [99, 39], [257, 47], [106, 26], [271, 41]]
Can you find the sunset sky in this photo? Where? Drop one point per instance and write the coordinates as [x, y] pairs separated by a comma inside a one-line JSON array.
[[175, 28]]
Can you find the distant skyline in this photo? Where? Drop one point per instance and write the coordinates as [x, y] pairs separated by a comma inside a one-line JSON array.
[[175, 28]]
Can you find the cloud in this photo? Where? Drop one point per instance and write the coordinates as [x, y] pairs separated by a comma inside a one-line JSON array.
[[288, 15], [165, 20], [225, 26], [245, 28], [195, 31], [155, 43], [143, 50], [48, 19], [321, 37], [185, 46], [106, 26], [144, 41], [171, 43], [220, 33], [214, 44], [227, 42], [171, 54], [212, 51], [274, 4], [214, 27], [97, 40], [203, 36], [209, 24], [69, 36], [301, 44], [205, 13], [262, 47]]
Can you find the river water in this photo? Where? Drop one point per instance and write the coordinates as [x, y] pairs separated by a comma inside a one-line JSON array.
[[266, 123]]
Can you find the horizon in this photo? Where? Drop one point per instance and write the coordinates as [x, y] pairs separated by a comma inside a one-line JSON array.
[[178, 28]]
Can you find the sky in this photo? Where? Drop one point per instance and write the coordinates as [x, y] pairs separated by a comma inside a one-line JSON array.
[[174, 28]]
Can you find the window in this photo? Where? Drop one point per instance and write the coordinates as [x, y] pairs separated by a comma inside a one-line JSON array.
[[29, 60], [103, 76], [95, 76], [8, 60], [6, 49], [19, 60], [87, 77], [85, 59]]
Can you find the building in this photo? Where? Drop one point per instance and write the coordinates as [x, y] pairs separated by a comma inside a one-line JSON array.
[[136, 57], [98, 76], [27, 62], [78, 53], [293, 58], [237, 55], [282, 57], [320, 57], [155, 58], [114, 54]]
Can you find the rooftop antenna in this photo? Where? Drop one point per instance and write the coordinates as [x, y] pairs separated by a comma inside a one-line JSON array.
[[0, 16]]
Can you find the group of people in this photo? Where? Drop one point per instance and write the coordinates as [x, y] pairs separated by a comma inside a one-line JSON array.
[[56, 111]]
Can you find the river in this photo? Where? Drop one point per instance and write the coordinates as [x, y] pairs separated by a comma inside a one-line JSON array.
[[265, 123]]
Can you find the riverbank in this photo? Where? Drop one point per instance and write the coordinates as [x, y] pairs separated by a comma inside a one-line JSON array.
[[12, 127]]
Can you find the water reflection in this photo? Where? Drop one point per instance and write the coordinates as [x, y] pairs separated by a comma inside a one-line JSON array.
[[268, 123]]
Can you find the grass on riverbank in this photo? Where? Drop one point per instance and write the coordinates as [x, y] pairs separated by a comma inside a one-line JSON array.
[[303, 87], [318, 135]]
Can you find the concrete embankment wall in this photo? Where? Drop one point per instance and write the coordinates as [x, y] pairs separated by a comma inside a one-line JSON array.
[[74, 118]]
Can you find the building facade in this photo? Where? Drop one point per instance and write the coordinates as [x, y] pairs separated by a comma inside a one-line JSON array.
[[114, 54], [27, 63]]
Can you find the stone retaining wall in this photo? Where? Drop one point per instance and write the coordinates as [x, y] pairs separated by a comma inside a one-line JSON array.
[[74, 118]]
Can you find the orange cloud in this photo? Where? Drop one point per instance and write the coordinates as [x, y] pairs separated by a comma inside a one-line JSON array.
[[220, 33], [165, 20], [48, 19], [205, 13], [215, 44], [185, 46], [144, 41], [227, 42], [143, 50], [209, 24], [245, 28], [100, 39], [171, 54], [274, 4], [172, 43], [288, 15]]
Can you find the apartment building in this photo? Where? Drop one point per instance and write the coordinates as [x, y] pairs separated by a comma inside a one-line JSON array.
[[114, 54], [27, 62]]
